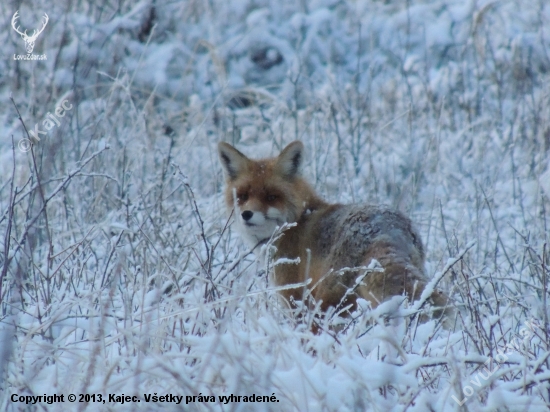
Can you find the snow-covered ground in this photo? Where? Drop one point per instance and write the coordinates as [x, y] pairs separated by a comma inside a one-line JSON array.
[[119, 271]]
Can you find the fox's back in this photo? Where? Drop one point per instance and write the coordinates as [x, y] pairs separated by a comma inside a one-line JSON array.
[[345, 234], [348, 236]]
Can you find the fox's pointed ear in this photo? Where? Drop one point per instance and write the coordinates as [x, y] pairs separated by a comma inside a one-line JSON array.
[[289, 161], [233, 161]]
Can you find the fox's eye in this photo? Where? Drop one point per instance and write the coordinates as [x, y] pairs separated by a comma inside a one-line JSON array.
[[243, 197], [271, 198]]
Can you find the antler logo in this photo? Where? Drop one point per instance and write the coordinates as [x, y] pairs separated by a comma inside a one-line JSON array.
[[29, 40]]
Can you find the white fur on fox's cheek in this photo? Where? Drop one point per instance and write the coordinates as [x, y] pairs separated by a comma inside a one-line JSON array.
[[259, 227], [275, 214], [257, 219]]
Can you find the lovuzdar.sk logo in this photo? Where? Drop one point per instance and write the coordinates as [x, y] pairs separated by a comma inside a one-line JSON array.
[[29, 39]]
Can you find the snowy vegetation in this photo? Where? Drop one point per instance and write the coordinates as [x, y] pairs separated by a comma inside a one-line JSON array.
[[120, 272]]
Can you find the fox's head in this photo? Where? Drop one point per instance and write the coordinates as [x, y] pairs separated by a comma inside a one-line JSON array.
[[265, 193]]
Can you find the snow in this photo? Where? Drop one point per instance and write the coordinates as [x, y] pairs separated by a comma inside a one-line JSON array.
[[439, 108]]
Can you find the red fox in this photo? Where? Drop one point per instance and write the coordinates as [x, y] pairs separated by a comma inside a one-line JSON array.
[[327, 237]]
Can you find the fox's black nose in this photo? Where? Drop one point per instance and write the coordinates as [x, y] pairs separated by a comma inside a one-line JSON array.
[[247, 215]]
